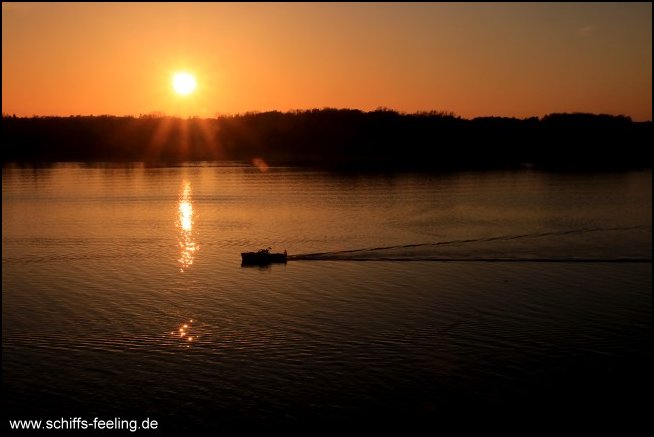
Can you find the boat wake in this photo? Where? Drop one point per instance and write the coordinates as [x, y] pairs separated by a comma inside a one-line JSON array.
[[569, 246]]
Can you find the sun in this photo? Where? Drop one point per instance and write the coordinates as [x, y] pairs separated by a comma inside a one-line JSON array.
[[184, 83]]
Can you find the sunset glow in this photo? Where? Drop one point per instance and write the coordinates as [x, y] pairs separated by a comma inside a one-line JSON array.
[[519, 60]]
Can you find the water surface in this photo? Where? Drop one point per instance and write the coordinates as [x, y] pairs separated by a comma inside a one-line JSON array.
[[408, 299]]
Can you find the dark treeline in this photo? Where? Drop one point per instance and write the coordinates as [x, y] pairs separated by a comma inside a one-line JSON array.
[[339, 138]]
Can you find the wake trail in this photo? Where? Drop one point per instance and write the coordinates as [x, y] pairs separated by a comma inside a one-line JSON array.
[[360, 254], [488, 260]]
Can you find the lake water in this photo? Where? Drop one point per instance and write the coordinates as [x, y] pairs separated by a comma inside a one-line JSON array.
[[409, 299]]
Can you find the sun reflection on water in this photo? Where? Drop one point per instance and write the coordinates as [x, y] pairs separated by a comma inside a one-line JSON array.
[[183, 333], [187, 244]]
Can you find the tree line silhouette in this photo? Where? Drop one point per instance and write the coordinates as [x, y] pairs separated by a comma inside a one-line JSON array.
[[338, 138]]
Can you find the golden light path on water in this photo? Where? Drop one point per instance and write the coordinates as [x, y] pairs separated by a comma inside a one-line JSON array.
[[187, 244]]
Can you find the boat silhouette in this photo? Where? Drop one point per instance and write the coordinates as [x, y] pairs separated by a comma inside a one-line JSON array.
[[262, 257]]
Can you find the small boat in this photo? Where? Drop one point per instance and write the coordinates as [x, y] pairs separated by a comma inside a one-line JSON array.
[[262, 257]]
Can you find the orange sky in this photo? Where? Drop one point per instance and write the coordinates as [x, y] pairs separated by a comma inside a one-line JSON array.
[[472, 59]]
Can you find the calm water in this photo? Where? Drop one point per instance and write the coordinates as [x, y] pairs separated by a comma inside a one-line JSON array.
[[411, 299]]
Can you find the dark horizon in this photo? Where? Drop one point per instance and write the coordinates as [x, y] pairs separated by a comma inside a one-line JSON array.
[[338, 138]]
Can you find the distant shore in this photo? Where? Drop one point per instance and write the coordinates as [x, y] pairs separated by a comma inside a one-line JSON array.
[[339, 139]]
